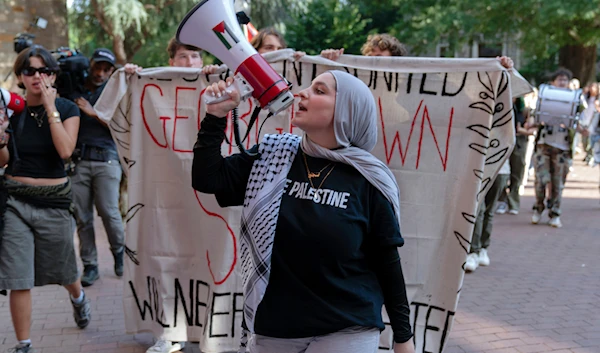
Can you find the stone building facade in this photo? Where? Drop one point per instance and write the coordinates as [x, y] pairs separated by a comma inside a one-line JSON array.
[[16, 17]]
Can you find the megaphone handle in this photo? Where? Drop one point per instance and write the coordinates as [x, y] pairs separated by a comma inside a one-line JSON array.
[[241, 86]]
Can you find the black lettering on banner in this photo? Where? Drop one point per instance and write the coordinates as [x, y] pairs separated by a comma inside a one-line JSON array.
[[236, 310], [429, 327], [373, 80], [298, 72], [189, 314], [409, 83], [462, 86], [445, 332], [422, 89], [157, 302], [216, 313], [199, 303], [314, 72], [146, 304]]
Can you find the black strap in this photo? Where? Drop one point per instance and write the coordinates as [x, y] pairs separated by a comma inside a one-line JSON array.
[[16, 135]]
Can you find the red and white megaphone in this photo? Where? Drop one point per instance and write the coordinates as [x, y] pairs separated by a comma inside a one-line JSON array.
[[14, 103], [212, 25]]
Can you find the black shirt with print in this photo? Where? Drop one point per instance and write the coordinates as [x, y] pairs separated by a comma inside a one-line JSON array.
[[329, 268]]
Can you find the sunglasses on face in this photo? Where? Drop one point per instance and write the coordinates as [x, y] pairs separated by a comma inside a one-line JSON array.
[[30, 71]]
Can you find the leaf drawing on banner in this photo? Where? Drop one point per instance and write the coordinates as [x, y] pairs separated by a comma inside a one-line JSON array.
[[486, 83], [132, 255], [481, 106], [130, 163], [503, 85], [496, 157], [483, 131], [117, 127], [478, 148], [484, 184], [503, 120], [132, 211], [192, 79], [462, 241], [120, 124], [478, 173], [469, 217]]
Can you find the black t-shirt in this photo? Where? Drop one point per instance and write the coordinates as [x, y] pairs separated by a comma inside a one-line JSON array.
[[91, 131], [334, 258], [36, 152], [321, 280]]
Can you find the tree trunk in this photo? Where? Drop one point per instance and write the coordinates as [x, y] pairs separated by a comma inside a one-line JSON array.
[[119, 50], [581, 60]]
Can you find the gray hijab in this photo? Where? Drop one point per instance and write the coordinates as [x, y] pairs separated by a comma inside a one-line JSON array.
[[355, 127]]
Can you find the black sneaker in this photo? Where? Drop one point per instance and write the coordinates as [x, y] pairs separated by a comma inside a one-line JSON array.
[[119, 262], [21, 348], [82, 312], [90, 275]]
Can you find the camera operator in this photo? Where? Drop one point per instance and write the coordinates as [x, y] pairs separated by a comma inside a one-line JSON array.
[[97, 172]]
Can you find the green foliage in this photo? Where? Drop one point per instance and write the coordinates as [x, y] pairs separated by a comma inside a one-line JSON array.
[[125, 24], [267, 13], [322, 24]]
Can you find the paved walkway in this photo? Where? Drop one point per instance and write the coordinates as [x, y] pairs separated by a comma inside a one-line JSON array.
[[540, 294]]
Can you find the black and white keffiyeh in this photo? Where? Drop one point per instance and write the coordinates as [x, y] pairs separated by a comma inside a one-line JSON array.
[[259, 216]]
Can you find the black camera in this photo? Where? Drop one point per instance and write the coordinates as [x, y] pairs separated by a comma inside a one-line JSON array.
[[74, 70], [23, 41]]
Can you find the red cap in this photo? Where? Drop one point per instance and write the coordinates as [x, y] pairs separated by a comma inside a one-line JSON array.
[[14, 102]]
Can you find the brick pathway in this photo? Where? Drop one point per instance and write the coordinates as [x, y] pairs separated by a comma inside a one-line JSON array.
[[540, 294]]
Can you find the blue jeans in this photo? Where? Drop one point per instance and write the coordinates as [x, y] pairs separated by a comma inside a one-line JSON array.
[[97, 184]]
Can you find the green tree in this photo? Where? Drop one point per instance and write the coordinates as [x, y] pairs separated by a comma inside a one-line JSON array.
[[544, 28], [322, 24], [126, 25]]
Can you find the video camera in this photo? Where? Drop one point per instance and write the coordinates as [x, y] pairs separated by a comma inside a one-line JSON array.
[[74, 70], [74, 66]]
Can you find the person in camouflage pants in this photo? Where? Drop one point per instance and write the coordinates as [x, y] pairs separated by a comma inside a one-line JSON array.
[[551, 165]]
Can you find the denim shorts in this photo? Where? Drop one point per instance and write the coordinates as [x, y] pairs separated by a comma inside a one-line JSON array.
[[36, 247]]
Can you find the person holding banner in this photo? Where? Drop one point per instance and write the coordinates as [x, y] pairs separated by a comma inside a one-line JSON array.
[[36, 246], [320, 223], [376, 45], [268, 40]]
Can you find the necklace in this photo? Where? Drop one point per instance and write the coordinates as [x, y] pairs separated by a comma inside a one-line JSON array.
[[311, 174], [39, 118], [316, 175]]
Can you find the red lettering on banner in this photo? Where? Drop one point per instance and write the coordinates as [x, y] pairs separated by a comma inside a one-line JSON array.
[[163, 118], [424, 114], [179, 117], [230, 231]]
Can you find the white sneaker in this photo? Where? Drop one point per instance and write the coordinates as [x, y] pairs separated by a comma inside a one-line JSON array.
[[513, 212], [472, 262], [162, 346], [537, 216], [484, 259], [501, 208], [555, 222]]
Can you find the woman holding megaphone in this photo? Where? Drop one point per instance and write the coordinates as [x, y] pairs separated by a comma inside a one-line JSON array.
[[320, 223]]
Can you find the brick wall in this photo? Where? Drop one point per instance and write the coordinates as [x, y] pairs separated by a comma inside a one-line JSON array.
[[15, 16]]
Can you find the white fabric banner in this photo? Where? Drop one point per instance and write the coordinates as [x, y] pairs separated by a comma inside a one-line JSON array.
[[445, 128]]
